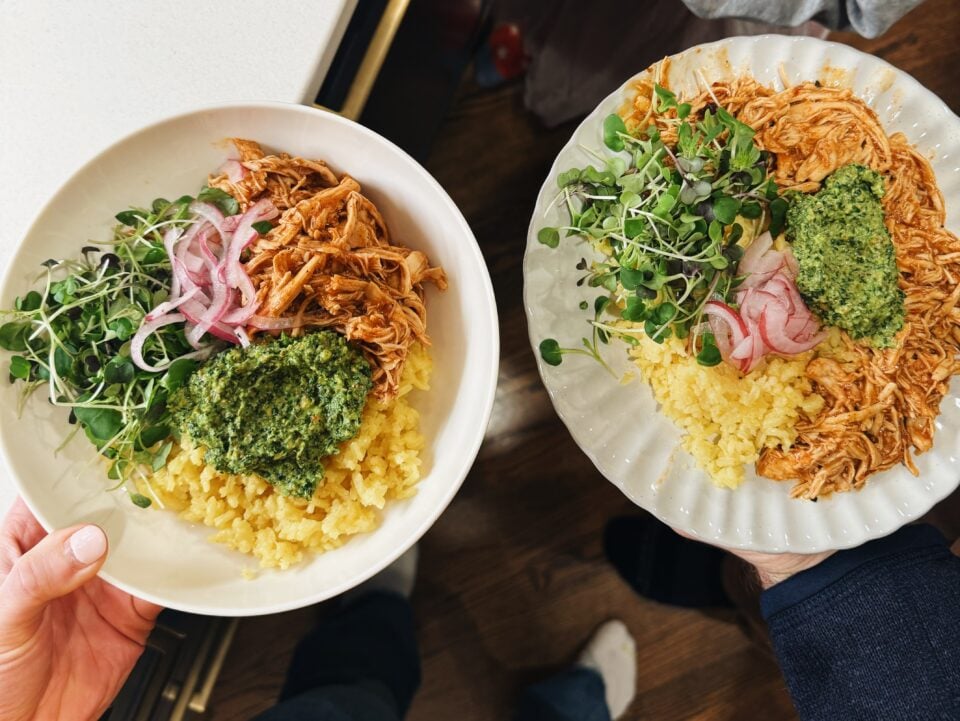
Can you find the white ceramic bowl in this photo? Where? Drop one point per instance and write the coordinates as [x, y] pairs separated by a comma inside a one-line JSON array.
[[620, 428], [155, 554]]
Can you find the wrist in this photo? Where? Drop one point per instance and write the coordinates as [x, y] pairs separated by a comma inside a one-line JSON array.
[[771, 578], [772, 569]]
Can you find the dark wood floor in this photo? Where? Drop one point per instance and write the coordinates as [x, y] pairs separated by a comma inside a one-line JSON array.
[[512, 576]]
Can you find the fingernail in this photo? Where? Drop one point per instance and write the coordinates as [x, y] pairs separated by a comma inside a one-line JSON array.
[[88, 545]]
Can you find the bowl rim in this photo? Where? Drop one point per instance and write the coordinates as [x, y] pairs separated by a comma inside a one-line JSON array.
[[490, 365]]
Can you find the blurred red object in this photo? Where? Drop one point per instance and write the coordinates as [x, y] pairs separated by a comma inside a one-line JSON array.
[[501, 57]]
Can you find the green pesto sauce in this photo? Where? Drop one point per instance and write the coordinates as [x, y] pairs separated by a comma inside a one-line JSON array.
[[276, 409], [848, 269]]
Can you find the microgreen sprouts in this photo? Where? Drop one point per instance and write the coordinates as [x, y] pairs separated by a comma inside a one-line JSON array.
[[666, 220], [72, 336], [552, 353]]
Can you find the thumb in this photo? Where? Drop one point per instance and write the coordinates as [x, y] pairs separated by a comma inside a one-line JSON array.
[[58, 565]]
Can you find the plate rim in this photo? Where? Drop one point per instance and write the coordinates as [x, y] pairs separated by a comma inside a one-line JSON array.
[[930, 499]]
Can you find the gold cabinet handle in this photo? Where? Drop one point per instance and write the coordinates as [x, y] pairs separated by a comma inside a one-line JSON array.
[[200, 699], [373, 59]]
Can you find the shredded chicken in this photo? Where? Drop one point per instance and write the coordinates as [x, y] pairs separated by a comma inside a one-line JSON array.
[[897, 392], [329, 262]]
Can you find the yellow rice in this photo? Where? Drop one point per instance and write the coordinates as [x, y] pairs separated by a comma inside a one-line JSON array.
[[727, 418], [381, 463]]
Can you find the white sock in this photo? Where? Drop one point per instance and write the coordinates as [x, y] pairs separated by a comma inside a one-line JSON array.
[[612, 653], [398, 577]]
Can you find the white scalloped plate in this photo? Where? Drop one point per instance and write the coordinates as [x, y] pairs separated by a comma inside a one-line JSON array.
[[619, 427]]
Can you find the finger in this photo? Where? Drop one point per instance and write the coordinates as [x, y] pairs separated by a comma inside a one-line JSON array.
[[28, 527], [132, 616], [58, 565], [19, 533], [956, 547], [142, 610], [146, 610]]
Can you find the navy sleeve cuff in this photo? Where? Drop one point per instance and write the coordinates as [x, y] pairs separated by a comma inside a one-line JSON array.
[[807, 583]]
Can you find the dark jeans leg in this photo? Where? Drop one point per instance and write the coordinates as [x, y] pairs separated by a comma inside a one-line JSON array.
[[363, 701], [360, 664], [574, 695]]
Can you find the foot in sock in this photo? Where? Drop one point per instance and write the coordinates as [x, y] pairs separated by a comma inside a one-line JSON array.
[[665, 567], [612, 653]]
